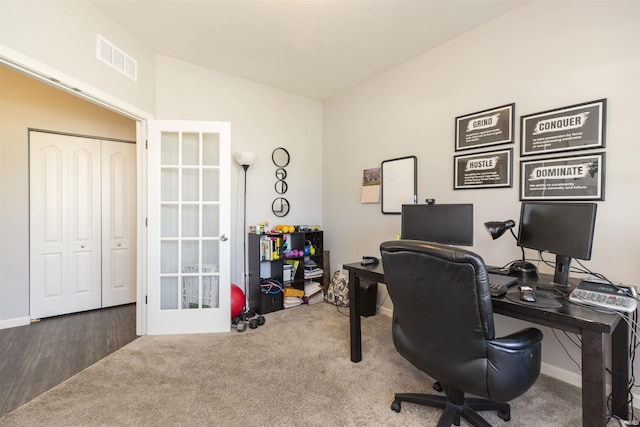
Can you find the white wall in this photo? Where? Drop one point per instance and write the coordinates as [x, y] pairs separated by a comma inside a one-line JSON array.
[[262, 119], [541, 56]]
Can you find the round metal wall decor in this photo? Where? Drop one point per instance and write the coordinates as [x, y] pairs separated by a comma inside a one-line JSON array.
[[280, 157], [281, 187], [280, 206]]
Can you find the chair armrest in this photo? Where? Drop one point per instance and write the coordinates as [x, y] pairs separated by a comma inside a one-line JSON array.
[[525, 338]]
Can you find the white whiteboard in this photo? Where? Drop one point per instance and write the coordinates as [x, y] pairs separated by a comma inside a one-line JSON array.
[[399, 184]]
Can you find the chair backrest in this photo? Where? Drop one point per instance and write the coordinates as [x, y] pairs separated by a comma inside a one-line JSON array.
[[443, 314]]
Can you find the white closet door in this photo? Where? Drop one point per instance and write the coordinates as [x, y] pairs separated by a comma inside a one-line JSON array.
[[65, 230], [118, 223], [189, 219]]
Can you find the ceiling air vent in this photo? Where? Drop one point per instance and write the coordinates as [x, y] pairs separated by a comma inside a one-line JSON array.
[[116, 58]]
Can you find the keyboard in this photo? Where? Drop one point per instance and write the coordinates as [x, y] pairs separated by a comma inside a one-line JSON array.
[[497, 289], [499, 284], [602, 294]]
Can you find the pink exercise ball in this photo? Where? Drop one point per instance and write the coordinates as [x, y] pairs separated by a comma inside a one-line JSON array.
[[237, 300]]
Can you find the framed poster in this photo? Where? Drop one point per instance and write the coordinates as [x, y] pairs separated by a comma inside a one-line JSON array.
[[483, 170], [575, 127], [485, 128], [563, 178], [399, 183]]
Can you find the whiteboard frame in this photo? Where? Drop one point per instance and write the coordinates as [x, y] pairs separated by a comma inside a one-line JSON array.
[[399, 184]]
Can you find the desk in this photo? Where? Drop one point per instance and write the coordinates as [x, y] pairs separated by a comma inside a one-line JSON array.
[[591, 325]]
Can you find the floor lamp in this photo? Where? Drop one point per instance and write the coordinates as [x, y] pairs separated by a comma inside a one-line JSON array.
[[245, 159]]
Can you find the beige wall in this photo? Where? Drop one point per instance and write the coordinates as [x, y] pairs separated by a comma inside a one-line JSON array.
[[26, 103]]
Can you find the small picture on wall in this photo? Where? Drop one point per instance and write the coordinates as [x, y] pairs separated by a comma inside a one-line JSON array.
[[575, 127], [370, 186], [485, 128], [563, 178], [483, 170]]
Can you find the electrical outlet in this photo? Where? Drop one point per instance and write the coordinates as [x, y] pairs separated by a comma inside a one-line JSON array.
[[340, 267]]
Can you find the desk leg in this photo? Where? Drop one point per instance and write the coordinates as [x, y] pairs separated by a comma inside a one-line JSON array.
[[354, 317], [594, 394], [620, 369]]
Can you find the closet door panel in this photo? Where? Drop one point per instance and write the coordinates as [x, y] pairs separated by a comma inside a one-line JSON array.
[[118, 223]]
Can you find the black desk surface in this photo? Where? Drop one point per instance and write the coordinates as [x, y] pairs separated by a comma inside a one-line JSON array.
[[570, 317]]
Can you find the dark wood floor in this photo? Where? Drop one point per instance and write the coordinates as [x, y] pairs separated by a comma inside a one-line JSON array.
[[37, 357]]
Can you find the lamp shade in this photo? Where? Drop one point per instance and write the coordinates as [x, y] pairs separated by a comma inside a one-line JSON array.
[[498, 228], [245, 158]]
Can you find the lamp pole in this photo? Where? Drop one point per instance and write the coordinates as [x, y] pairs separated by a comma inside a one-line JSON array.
[[245, 159], [244, 234]]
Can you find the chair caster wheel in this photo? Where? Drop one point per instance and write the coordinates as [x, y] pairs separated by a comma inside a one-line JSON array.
[[241, 326], [437, 386], [506, 416], [395, 406], [253, 323], [261, 320]]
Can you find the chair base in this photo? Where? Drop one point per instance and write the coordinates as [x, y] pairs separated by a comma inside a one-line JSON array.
[[455, 405]]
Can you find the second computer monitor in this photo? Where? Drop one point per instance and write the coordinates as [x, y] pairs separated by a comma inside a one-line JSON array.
[[450, 224], [563, 229]]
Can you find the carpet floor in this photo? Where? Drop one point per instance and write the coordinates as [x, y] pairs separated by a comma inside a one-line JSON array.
[[294, 370]]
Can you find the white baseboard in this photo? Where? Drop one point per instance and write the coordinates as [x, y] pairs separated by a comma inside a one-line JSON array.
[[12, 323]]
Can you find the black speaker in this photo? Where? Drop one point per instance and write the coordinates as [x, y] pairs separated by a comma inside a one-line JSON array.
[[368, 298]]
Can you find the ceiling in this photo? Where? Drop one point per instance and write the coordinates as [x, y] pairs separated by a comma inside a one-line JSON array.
[[314, 48]]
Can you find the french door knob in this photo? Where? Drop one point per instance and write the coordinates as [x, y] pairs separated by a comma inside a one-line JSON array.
[[224, 238]]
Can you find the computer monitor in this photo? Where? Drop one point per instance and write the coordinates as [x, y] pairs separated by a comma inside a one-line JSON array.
[[450, 224], [563, 229]]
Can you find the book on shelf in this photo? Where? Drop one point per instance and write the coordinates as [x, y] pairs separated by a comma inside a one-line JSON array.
[[294, 263]]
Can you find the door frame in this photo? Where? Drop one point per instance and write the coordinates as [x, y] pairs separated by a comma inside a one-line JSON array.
[[66, 83]]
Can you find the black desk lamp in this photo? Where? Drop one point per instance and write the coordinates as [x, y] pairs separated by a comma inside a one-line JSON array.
[[520, 268]]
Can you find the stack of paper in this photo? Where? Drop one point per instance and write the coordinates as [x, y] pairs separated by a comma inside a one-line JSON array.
[[313, 293], [291, 302], [311, 272]]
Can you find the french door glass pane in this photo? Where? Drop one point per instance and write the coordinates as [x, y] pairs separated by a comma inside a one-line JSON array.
[[190, 264], [169, 185], [190, 185], [211, 185], [169, 148], [190, 220], [190, 149], [169, 221], [169, 257], [169, 293], [210, 222]]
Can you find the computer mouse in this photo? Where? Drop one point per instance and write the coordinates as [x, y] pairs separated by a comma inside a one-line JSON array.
[[527, 295]]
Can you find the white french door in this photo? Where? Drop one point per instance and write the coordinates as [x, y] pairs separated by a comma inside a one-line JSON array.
[[188, 227]]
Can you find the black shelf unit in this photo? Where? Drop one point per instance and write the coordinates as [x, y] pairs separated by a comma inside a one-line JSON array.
[[264, 265]]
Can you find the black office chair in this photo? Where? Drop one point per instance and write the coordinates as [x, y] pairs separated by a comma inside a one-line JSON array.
[[443, 325]]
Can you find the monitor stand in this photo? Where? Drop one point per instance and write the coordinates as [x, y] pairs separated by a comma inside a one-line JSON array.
[[561, 275]]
